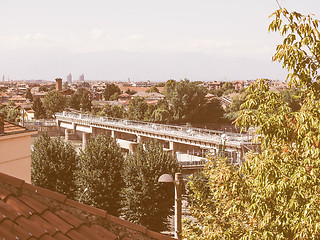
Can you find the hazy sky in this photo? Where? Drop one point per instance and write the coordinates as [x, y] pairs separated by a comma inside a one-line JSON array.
[[141, 39]]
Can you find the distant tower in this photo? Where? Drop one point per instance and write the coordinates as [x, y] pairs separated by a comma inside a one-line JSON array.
[[69, 79], [128, 80], [81, 78], [59, 84], [3, 77]]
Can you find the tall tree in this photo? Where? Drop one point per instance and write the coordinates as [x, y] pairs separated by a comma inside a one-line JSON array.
[[29, 95], [85, 102], [279, 186], [185, 99], [110, 89], [54, 102], [101, 164], [145, 200], [137, 108], [37, 106], [53, 165]]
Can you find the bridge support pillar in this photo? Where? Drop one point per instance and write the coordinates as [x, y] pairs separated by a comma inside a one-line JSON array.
[[85, 139], [173, 147], [132, 147], [67, 133], [141, 139]]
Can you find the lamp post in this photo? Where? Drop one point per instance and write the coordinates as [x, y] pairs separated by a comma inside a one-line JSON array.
[[177, 203]]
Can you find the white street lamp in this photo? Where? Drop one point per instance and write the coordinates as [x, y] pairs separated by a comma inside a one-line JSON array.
[[177, 204]]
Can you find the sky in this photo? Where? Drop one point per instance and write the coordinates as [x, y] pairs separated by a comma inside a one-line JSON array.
[[201, 40]]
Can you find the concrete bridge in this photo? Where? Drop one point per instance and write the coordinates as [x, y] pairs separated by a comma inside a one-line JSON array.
[[190, 145]]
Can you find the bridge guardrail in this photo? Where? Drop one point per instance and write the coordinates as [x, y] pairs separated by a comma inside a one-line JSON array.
[[179, 130]]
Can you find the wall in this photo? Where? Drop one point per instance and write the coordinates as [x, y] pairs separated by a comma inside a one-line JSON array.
[[15, 156]]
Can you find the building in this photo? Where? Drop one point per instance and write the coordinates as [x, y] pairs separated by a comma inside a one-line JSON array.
[[32, 212], [58, 84], [15, 142], [69, 79], [81, 78]]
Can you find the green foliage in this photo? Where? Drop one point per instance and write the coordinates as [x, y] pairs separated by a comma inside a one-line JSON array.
[[130, 92], [43, 89], [101, 164], [232, 111], [211, 111], [53, 165], [11, 104], [54, 102], [110, 90], [293, 98], [162, 112], [85, 102], [29, 95], [13, 114], [146, 201], [137, 108], [153, 89], [37, 106], [80, 100], [279, 186], [218, 203], [185, 99], [118, 111]]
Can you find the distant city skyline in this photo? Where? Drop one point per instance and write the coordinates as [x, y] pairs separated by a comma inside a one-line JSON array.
[[142, 40]]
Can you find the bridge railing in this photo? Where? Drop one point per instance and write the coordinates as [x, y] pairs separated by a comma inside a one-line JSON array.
[[178, 130]]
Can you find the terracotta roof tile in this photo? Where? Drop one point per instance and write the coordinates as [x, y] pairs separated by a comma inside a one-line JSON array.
[[56, 221], [4, 193], [44, 225], [104, 232], [30, 226], [90, 232], [73, 234], [45, 192], [60, 236], [71, 219], [87, 208], [30, 212], [16, 229], [19, 206], [5, 234], [8, 211], [33, 203]]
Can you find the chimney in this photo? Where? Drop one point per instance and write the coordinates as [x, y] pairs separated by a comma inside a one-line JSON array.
[[59, 84], [1, 123]]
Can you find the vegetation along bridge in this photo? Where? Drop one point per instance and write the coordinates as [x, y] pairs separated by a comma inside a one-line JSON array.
[[191, 145]]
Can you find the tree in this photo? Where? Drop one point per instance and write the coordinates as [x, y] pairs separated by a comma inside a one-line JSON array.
[[53, 165], [137, 108], [118, 111], [185, 99], [162, 113], [279, 186], [29, 95], [153, 89], [145, 200], [74, 101], [101, 163], [211, 111], [216, 195], [43, 88], [232, 111], [54, 102], [85, 102], [37, 106], [13, 114], [130, 92], [109, 90]]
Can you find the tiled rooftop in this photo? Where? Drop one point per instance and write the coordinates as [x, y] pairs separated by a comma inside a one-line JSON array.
[[11, 128], [31, 212]]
